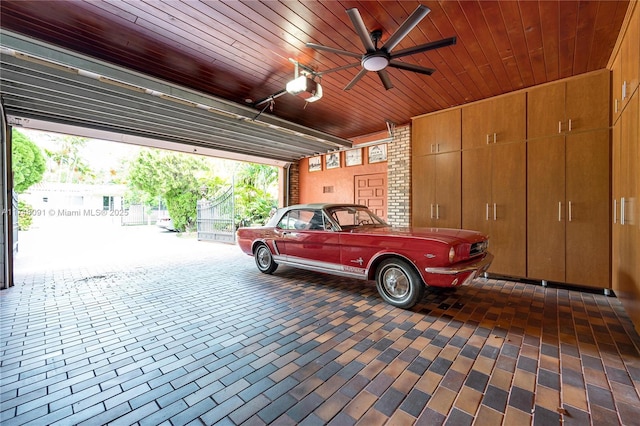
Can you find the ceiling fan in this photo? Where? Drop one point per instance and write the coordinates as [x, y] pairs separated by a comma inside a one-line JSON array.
[[379, 58]]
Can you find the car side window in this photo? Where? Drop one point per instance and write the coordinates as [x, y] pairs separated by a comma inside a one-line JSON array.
[[302, 219]]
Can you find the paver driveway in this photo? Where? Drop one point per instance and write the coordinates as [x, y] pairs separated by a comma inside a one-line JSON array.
[[137, 326]]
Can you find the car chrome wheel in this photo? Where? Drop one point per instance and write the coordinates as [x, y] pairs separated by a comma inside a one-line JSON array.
[[395, 283], [398, 283], [264, 259]]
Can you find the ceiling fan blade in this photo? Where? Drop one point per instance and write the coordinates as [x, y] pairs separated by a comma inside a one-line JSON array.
[[406, 27], [361, 29], [344, 67], [386, 81], [333, 50], [411, 67], [355, 79], [424, 47]]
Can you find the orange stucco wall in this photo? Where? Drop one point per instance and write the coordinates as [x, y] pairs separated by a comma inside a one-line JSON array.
[[315, 186]]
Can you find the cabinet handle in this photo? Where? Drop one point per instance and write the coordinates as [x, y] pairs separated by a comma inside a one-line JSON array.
[[559, 211], [559, 126], [438, 211], [487, 211], [569, 124], [488, 139], [615, 211], [624, 90], [615, 105], [495, 212], [622, 208], [494, 138], [570, 212], [431, 215]]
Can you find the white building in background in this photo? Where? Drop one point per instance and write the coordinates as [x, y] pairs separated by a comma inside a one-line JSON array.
[[79, 202]]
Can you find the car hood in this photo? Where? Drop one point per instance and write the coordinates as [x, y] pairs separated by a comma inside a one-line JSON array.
[[446, 235]]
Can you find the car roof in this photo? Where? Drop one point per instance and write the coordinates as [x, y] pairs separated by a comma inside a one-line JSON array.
[[317, 206]]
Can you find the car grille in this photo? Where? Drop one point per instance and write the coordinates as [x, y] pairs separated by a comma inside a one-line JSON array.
[[478, 248]]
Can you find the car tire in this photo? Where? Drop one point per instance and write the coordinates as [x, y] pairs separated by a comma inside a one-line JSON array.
[[264, 259], [398, 283]]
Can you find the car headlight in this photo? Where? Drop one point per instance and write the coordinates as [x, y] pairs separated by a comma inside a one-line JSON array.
[[452, 254]]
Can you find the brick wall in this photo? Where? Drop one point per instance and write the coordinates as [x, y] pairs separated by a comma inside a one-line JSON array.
[[294, 183], [399, 177]]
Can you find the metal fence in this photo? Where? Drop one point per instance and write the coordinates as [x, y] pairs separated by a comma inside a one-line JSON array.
[[138, 214], [215, 218]]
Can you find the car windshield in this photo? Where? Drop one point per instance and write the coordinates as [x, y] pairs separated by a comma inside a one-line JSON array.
[[349, 217]]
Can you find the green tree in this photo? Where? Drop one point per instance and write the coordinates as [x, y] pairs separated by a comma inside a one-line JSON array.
[[68, 166], [28, 162], [175, 177], [256, 187]]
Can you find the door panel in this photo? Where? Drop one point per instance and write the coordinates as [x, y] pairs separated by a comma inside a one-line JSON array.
[[423, 191], [448, 190], [508, 209], [371, 191], [588, 226], [476, 189], [546, 209]]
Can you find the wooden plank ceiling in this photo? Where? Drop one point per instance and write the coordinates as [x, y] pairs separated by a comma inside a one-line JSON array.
[[241, 51]]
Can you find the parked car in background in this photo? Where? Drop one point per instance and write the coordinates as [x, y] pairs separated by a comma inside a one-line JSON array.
[[164, 221], [351, 241]]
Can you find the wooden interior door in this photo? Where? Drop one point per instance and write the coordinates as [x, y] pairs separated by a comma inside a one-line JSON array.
[[588, 213], [508, 209], [371, 190], [546, 209]]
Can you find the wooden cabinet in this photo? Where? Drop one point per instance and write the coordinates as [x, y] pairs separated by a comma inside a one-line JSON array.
[[436, 133], [497, 120], [436, 190], [629, 62], [436, 165], [567, 218], [575, 105], [494, 202], [626, 213]]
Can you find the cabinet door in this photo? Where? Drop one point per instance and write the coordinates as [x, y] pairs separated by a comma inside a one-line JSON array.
[[616, 85], [630, 51], [545, 110], [586, 98], [423, 192], [508, 209], [588, 195], [617, 153], [545, 209], [626, 262], [448, 190], [476, 124], [436, 133], [476, 190], [509, 118]]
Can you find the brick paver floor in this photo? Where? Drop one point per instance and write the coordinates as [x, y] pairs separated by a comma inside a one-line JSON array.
[[187, 332]]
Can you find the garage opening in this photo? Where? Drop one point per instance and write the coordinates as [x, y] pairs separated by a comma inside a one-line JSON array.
[[85, 202]]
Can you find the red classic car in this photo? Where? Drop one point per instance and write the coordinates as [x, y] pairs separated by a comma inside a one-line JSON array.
[[349, 240]]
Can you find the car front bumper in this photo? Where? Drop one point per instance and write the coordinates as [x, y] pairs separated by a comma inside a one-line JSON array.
[[477, 266]]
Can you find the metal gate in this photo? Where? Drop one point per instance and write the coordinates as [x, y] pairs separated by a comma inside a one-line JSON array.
[[215, 218]]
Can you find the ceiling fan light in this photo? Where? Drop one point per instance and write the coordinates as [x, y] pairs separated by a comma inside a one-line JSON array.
[[375, 62]]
